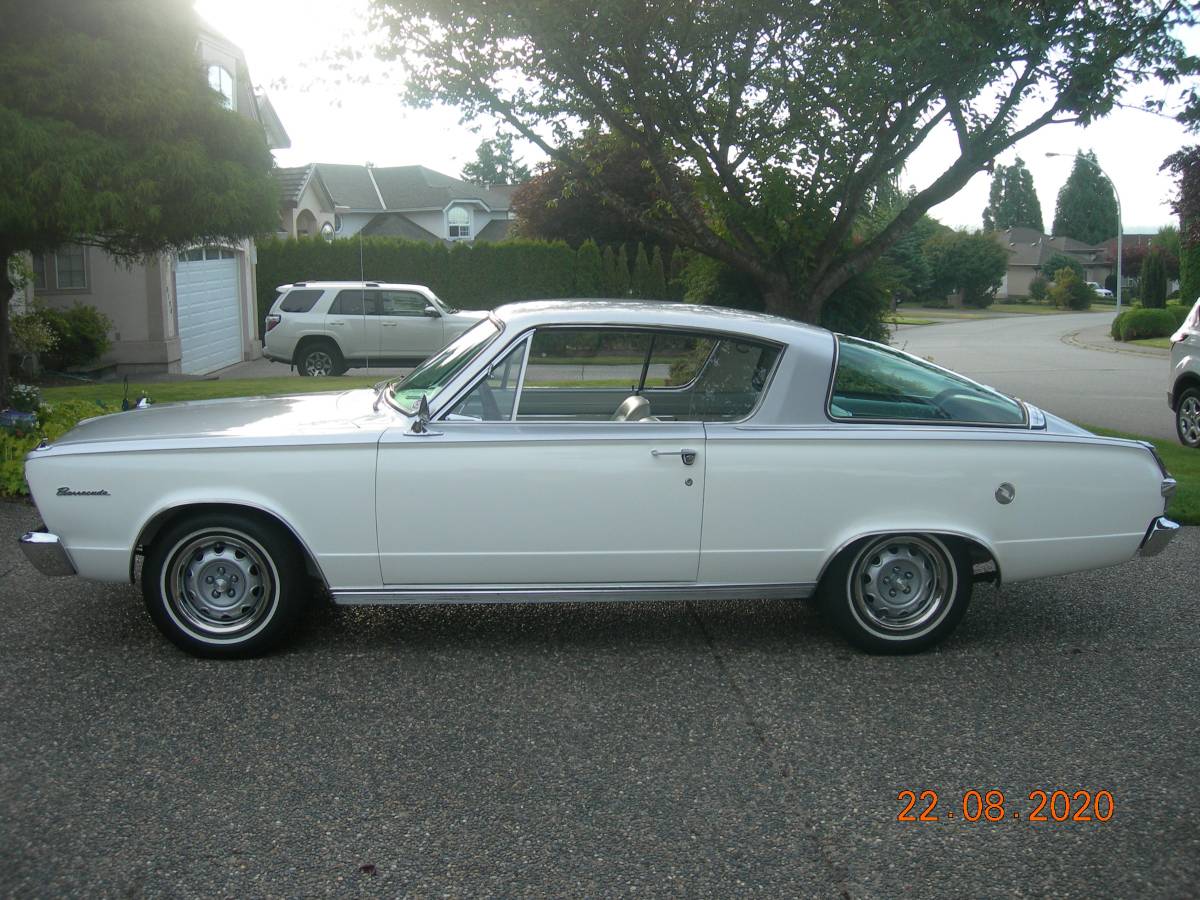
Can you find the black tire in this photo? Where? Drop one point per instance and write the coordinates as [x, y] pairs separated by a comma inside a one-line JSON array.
[[320, 358], [910, 608], [254, 569], [1187, 417]]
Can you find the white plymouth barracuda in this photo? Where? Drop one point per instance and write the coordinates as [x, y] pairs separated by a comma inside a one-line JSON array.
[[576, 451]]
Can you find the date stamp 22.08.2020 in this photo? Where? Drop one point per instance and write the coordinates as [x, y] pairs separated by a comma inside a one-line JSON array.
[[993, 805]]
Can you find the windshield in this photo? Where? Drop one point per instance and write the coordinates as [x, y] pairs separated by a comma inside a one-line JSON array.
[[433, 374]]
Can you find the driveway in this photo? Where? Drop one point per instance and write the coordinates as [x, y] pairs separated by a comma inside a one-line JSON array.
[[724, 750], [1027, 356]]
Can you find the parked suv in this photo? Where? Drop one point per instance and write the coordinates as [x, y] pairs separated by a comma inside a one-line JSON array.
[[1184, 390], [327, 327]]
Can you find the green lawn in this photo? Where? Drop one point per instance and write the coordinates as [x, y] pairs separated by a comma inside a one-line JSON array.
[[1162, 343], [908, 320], [1183, 463], [169, 391]]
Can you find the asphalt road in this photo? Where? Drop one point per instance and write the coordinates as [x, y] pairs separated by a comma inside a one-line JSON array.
[[683, 749], [1027, 357]]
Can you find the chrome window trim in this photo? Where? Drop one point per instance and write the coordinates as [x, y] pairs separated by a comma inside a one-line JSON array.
[[568, 593], [923, 423], [442, 410], [467, 372]]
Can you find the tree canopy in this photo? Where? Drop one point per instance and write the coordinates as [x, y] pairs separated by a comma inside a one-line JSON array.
[[768, 125], [1087, 207], [494, 164], [112, 137], [1185, 166], [1012, 200], [974, 264]]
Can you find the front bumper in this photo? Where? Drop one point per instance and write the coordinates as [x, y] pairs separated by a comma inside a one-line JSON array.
[[47, 553], [1158, 535]]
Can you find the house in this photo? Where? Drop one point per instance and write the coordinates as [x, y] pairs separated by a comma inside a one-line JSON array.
[[191, 313], [1029, 248], [412, 202]]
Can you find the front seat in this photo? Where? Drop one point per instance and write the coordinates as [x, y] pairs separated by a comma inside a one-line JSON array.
[[632, 409]]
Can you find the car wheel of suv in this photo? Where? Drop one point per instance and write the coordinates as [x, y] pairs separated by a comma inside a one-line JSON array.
[[320, 359], [1187, 418], [225, 584], [898, 593]]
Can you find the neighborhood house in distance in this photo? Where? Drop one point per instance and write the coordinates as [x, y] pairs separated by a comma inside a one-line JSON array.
[[1028, 249]]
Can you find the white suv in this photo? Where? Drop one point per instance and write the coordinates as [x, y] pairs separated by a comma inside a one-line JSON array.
[[327, 327], [1183, 392]]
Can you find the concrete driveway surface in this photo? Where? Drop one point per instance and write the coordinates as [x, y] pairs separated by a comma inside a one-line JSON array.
[[1027, 356], [720, 750]]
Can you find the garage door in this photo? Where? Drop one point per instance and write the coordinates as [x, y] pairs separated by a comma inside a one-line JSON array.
[[210, 320]]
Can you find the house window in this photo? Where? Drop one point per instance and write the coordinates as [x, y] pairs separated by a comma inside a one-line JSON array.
[[459, 220], [39, 271], [69, 270], [221, 81]]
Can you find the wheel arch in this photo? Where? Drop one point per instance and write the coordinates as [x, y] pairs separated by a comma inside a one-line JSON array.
[[978, 549], [167, 516], [307, 340], [1187, 380]]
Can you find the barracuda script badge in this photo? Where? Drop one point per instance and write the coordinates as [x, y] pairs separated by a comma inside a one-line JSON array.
[[67, 492]]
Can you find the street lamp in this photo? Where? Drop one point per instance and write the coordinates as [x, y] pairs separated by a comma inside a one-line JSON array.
[[1120, 228]]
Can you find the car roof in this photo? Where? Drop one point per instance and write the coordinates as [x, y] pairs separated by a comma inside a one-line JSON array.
[[387, 285], [664, 314]]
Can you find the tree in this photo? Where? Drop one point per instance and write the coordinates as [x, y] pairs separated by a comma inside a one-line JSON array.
[[1185, 166], [1152, 282], [1070, 291], [974, 264], [1168, 241], [1057, 261], [1087, 207], [1012, 200], [555, 205], [494, 164], [621, 282], [769, 126], [641, 273], [658, 276], [113, 138], [589, 270]]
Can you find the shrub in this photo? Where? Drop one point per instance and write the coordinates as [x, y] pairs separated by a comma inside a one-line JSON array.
[[1069, 291], [1153, 279], [31, 335], [1058, 261], [53, 422], [1141, 322], [80, 336], [1038, 288], [25, 397], [1179, 312]]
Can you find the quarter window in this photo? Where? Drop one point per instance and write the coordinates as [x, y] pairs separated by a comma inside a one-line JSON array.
[[459, 221], [873, 383], [300, 301]]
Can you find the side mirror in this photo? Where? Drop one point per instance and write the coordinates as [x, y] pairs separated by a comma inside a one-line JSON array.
[[421, 424], [432, 312]]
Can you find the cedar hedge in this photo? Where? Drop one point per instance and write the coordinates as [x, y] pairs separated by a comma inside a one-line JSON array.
[[1140, 322]]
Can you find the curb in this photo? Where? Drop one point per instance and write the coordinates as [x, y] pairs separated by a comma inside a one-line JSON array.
[[1072, 338]]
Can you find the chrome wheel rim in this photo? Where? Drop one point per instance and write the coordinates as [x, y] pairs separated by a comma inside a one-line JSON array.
[[220, 585], [319, 363], [1189, 421], [901, 585]]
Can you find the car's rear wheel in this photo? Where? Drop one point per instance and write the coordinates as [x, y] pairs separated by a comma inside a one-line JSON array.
[[225, 584], [319, 359], [898, 593], [1187, 418]]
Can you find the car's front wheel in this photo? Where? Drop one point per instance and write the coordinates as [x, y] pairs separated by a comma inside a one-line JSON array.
[[898, 593], [225, 584], [1187, 418], [319, 359]]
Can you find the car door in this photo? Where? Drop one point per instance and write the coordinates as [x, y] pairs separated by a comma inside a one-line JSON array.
[[406, 330], [349, 323], [492, 495]]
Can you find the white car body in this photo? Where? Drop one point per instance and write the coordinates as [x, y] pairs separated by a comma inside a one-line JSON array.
[[391, 507], [1100, 290], [391, 324], [1183, 387]]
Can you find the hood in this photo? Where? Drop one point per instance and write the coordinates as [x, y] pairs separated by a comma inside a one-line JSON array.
[[233, 418]]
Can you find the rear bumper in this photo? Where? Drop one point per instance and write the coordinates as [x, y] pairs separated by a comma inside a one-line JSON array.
[[47, 553], [1158, 535]]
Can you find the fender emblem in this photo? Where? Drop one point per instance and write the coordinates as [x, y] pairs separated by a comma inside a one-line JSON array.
[[67, 492]]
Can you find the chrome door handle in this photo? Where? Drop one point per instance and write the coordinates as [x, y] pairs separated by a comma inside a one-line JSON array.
[[390, 324], [688, 456], [336, 324]]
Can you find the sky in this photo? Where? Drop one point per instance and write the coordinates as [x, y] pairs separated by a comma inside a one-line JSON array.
[[286, 43]]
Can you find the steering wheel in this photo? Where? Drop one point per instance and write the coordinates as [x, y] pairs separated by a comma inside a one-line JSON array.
[[632, 409]]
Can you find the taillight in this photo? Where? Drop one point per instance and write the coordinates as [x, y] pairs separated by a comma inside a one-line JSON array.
[[272, 321]]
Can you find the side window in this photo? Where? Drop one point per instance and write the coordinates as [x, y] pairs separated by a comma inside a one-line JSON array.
[[873, 382], [492, 399], [300, 301], [354, 302], [581, 374], [401, 303], [709, 378]]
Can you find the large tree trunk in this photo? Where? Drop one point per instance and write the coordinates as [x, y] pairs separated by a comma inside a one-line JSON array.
[[6, 292]]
